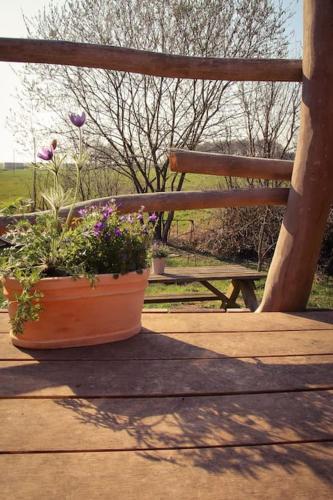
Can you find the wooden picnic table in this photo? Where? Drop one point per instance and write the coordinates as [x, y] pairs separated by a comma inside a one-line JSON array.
[[242, 280]]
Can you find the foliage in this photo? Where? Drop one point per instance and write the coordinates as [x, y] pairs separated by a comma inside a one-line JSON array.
[[16, 206], [326, 253], [101, 241], [159, 250], [243, 233]]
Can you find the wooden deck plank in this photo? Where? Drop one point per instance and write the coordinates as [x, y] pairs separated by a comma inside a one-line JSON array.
[[167, 377], [186, 346], [4, 322], [120, 424], [262, 472], [221, 322], [168, 322]]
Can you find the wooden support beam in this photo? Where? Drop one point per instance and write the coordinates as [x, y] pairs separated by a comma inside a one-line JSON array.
[[189, 200], [196, 162], [148, 63], [295, 259]]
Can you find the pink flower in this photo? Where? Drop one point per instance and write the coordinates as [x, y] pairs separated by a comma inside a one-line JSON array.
[[45, 154], [153, 218]]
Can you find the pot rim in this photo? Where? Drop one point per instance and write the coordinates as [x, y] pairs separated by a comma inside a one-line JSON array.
[[141, 272]]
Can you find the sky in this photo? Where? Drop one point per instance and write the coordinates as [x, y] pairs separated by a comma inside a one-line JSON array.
[[12, 25]]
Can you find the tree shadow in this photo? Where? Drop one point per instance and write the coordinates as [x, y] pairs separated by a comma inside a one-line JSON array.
[[219, 413], [321, 315]]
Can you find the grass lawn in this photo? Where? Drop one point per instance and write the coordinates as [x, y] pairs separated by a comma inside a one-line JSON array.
[[15, 184], [18, 183]]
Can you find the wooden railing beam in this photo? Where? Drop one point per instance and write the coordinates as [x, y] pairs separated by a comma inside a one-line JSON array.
[[196, 162], [148, 63], [186, 200]]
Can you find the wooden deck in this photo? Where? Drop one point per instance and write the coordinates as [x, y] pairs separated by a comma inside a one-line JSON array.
[[198, 406]]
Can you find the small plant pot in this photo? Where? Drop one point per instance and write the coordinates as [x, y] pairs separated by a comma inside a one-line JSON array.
[[158, 265], [76, 314]]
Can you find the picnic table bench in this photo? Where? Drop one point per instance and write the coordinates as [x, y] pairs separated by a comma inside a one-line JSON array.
[[242, 280]]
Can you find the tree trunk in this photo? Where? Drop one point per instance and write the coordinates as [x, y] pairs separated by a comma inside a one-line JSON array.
[[167, 226]]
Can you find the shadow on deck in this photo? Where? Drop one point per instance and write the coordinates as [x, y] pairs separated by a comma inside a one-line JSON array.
[[195, 405]]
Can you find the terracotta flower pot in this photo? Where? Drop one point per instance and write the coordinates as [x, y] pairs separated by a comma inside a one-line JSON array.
[[76, 314], [158, 265]]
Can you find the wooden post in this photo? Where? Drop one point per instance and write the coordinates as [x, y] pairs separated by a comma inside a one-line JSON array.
[[294, 263]]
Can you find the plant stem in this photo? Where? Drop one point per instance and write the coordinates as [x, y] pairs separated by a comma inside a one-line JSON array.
[[78, 179]]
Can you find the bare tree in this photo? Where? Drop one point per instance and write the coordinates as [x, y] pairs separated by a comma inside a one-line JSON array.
[[267, 127], [135, 119], [270, 118]]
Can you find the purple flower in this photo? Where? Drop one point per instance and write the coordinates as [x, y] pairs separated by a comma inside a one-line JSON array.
[[98, 228], [117, 232], [82, 212], [77, 120], [107, 211], [139, 217], [152, 218], [45, 154]]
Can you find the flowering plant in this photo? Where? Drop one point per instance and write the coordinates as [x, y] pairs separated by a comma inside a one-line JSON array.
[[159, 250], [100, 241]]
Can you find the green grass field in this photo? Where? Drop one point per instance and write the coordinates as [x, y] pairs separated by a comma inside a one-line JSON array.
[[15, 184], [18, 183]]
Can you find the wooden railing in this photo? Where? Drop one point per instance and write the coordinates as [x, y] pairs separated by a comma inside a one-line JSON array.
[[148, 63], [195, 162], [186, 200]]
